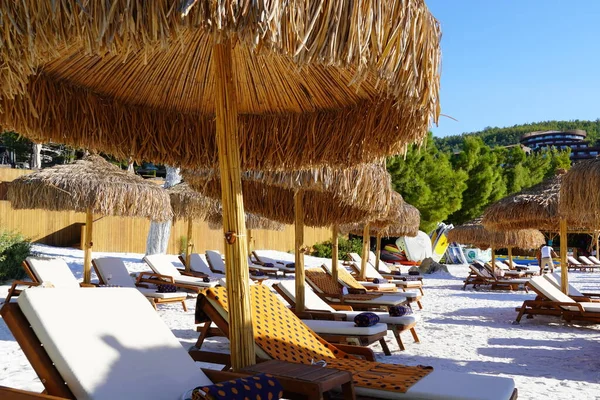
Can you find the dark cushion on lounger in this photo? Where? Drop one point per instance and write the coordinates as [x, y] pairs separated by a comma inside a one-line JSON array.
[[366, 319]]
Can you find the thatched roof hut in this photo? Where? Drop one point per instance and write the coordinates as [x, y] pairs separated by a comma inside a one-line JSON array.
[[535, 207], [91, 184], [143, 73], [473, 232], [580, 194]]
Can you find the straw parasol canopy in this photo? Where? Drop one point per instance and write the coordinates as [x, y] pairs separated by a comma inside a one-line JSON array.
[[94, 186], [335, 83], [91, 184], [253, 221], [243, 84], [535, 207], [579, 195], [473, 232]]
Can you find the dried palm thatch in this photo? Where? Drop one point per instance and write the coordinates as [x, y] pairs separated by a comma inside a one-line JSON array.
[[473, 232], [132, 79], [366, 186], [535, 208], [90, 184], [253, 221], [402, 219], [189, 204], [277, 203], [579, 194]]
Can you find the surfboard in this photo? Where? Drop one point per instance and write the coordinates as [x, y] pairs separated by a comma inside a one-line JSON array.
[[415, 248], [439, 241]]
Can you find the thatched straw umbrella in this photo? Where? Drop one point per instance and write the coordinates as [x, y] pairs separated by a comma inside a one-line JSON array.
[[473, 232], [93, 186], [538, 208], [402, 219], [243, 84], [317, 197]]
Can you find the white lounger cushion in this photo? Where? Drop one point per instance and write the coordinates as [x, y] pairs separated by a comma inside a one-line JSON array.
[[113, 271], [343, 327], [161, 264], [53, 270], [198, 264], [556, 280], [154, 294], [109, 343], [379, 286]]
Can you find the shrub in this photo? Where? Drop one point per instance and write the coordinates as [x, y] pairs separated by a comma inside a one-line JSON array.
[[345, 246], [14, 248]]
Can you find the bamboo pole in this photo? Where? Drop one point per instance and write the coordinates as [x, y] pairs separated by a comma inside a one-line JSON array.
[[249, 233], [241, 336], [299, 251], [87, 246], [365, 252], [378, 251], [597, 243], [510, 258], [563, 257], [334, 253], [493, 261], [188, 247]]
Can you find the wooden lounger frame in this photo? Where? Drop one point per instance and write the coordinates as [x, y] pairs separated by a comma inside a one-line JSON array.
[[324, 315], [477, 280], [55, 387], [153, 300]]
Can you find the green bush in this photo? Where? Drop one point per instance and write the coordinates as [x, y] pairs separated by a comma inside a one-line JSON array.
[[14, 248], [345, 246]]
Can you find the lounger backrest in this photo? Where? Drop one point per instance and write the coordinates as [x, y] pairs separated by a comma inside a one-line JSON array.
[[198, 264], [52, 270], [586, 260], [215, 260], [482, 273], [311, 300], [543, 286], [161, 264], [354, 257], [109, 343], [556, 278], [322, 282], [501, 265], [594, 260], [113, 271], [572, 260], [344, 277]]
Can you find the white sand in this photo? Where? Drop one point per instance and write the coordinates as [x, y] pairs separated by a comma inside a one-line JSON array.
[[467, 331]]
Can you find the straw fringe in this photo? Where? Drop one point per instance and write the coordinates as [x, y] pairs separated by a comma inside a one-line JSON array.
[[91, 183], [188, 203], [473, 232], [580, 195]]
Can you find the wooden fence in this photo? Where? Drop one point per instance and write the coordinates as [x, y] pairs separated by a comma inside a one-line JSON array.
[[118, 234]]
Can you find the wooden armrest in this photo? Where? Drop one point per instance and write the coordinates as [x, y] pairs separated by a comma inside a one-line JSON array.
[[192, 273], [589, 295], [341, 307], [17, 394], [153, 277], [87, 285], [356, 291], [364, 352], [23, 283], [320, 315], [211, 357], [581, 299]]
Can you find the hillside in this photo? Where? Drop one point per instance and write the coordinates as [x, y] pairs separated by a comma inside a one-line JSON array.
[[510, 135]]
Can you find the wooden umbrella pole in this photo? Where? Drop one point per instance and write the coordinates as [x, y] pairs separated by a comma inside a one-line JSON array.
[[334, 253], [510, 258], [378, 252], [87, 255], [564, 275], [249, 233], [365, 252], [597, 243], [493, 261], [241, 336], [188, 247], [299, 251]]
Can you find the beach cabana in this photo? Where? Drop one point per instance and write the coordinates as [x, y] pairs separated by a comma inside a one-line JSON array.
[[264, 85], [93, 186], [473, 232], [537, 208]]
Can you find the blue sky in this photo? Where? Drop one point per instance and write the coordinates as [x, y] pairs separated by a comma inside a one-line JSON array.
[[516, 61]]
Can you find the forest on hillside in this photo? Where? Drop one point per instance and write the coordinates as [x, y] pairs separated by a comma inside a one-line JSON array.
[[511, 135]]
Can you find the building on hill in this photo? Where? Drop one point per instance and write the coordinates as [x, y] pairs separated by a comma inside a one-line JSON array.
[[574, 139]]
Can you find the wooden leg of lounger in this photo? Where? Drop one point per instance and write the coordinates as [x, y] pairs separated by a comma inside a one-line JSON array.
[[398, 338], [419, 304], [414, 335], [203, 334], [153, 304], [184, 305], [384, 346]]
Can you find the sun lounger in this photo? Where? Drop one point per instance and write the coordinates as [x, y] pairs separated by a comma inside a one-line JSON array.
[[115, 347], [274, 324], [165, 272], [552, 301], [287, 267], [401, 281], [383, 286], [314, 303], [481, 276], [333, 292], [573, 264], [574, 293], [594, 260], [199, 265], [216, 263], [45, 270], [112, 271], [516, 272], [591, 266]]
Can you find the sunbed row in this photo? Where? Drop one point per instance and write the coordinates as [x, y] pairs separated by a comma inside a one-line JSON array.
[[584, 263], [482, 274], [133, 354]]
